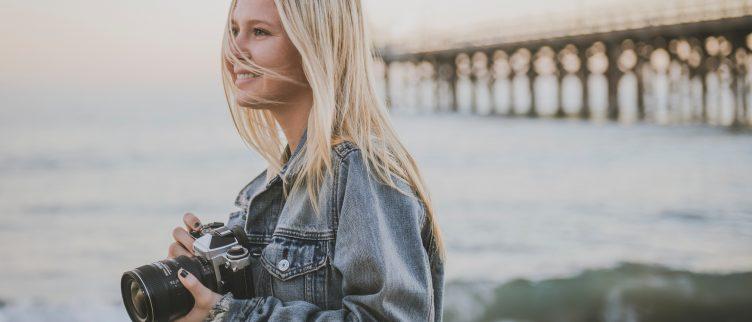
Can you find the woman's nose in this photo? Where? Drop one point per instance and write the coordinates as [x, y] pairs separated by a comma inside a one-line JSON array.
[[236, 49], [240, 48]]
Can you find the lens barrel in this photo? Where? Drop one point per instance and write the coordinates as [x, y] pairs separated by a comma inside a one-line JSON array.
[[154, 293]]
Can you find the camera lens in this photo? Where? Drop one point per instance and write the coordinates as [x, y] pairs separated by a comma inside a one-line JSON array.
[[139, 301], [154, 293]]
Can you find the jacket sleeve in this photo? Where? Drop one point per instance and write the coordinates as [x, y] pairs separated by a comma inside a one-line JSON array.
[[385, 270]]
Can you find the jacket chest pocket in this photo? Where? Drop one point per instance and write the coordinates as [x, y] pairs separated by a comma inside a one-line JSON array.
[[297, 269]]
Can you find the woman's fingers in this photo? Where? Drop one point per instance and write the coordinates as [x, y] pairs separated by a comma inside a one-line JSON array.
[[183, 244], [191, 221], [204, 297], [181, 236], [176, 249]]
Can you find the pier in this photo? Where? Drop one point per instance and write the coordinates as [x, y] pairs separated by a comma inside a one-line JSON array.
[[675, 62]]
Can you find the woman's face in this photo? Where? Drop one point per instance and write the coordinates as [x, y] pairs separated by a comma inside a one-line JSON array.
[[259, 34]]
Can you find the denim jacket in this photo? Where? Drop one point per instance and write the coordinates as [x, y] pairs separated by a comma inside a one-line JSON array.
[[369, 255]]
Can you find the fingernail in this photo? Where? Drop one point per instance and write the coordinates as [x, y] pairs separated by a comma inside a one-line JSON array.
[[183, 273]]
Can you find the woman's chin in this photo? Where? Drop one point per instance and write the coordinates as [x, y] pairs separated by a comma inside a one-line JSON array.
[[245, 102]]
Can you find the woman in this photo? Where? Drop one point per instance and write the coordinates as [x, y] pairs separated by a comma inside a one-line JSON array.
[[340, 219]]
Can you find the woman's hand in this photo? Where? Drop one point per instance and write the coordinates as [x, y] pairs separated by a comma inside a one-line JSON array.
[[203, 297], [183, 244]]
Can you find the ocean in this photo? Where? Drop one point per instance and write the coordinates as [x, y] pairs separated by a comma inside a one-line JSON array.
[[543, 219]]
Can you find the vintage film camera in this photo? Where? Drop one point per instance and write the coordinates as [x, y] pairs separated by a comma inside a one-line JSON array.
[[154, 293]]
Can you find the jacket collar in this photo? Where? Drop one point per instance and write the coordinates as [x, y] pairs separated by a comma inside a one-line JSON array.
[[286, 171]]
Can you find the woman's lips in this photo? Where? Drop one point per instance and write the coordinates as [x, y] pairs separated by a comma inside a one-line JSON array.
[[242, 78]]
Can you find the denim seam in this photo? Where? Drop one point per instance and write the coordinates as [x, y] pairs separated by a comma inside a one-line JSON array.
[[257, 303], [307, 285], [292, 271], [307, 235], [259, 238], [335, 197], [343, 149], [326, 279], [424, 214]]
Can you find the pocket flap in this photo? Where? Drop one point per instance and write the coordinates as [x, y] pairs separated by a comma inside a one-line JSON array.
[[286, 257]]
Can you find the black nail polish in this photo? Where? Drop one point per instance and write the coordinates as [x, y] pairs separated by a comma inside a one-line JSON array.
[[183, 273]]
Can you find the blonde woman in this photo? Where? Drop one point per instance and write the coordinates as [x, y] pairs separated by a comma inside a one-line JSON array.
[[340, 220]]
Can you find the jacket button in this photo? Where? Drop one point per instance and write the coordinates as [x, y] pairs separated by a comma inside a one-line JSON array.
[[283, 265]]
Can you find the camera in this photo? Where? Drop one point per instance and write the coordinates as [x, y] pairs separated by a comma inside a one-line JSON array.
[[153, 292]]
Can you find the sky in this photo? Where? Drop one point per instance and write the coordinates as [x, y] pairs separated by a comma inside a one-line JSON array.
[[73, 47]]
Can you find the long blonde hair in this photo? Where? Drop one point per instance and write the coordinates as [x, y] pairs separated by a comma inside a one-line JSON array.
[[332, 39]]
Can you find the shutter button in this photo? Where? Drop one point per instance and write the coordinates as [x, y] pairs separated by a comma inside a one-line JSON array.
[[283, 265]]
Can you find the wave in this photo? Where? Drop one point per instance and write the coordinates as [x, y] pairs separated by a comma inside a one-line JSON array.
[[629, 292]]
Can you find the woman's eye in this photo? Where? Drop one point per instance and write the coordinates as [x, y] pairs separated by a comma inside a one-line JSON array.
[[234, 31], [259, 32]]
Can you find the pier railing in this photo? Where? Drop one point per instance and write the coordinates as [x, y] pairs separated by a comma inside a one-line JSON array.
[[689, 62]]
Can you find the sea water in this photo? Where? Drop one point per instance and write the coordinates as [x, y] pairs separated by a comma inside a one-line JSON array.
[[527, 207]]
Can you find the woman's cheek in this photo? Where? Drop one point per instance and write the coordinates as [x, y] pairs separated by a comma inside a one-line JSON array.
[[278, 55], [268, 54]]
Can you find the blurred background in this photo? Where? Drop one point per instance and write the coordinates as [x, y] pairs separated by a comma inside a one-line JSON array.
[[589, 160]]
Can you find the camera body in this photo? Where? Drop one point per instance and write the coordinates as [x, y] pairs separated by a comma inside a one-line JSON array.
[[153, 292], [220, 246]]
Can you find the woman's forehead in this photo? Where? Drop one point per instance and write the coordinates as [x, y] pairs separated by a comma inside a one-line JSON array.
[[251, 11]]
